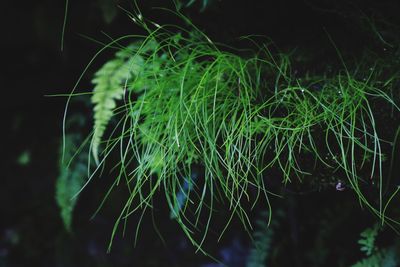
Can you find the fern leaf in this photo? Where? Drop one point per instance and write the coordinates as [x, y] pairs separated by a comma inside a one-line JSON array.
[[367, 240], [377, 257], [70, 180], [110, 82], [263, 236], [381, 258], [109, 88], [372, 261]]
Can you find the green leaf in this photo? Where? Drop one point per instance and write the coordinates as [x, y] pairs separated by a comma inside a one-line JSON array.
[[71, 179]]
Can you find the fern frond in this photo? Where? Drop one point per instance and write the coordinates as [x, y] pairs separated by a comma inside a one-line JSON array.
[[382, 258], [263, 236], [387, 257], [70, 180], [108, 88], [372, 261], [110, 82], [367, 240]]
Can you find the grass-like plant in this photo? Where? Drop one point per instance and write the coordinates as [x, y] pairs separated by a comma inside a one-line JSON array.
[[204, 123]]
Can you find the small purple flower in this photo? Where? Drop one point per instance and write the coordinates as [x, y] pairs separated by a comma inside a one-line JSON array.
[[340, 186]]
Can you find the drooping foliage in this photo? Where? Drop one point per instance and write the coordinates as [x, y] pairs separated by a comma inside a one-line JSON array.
[[209, 125], [189, 101]]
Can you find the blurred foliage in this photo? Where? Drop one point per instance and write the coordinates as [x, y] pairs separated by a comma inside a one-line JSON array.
[[263, 237], [377, 257], [203, 4], [24, 158], [367, 241], [109, 9], [72, 172]]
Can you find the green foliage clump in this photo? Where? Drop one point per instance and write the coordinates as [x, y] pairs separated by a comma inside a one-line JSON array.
[[188, 101]]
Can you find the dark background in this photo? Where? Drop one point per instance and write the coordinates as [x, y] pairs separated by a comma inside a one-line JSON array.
[[34, 67]]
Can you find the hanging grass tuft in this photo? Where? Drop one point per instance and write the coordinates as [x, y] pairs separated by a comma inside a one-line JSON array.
[[204, 126]]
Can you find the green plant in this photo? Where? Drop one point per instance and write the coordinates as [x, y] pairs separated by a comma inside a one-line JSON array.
[[367, 241], [71, 178], [376, 257], [177, 99]]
